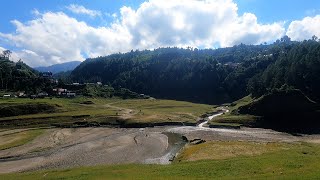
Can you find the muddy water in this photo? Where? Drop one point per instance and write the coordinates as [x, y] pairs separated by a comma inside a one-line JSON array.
[[175, 143]]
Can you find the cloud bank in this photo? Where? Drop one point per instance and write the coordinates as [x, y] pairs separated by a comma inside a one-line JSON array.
[[54, 37], [305, 28]]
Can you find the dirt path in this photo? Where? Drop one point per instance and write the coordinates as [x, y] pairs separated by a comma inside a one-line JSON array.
[[124, 113]]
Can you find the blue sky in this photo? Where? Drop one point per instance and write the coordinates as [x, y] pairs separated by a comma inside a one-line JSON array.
[[54, 31], [21, 9], [279, 10], [265, 10]]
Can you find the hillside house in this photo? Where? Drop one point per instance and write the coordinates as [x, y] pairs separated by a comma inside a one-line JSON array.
[[59, 91], [69, 94]]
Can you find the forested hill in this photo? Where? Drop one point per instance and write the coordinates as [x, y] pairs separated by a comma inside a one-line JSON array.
[[17, 76], [14, 75], [210, 76]]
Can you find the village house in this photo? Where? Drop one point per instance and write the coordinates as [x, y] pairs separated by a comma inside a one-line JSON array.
[[69, 94], [59, 91], [6, 96]]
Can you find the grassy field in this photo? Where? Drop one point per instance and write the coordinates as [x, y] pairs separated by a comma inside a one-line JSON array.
[[235, 120], [15, 139], [74, 112], [229, 160], [164, 110], [243, 101], [218, 150], [232, 118]]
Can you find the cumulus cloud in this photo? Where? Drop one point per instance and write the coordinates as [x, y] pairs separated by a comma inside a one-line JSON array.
[[305, 28], [195, 23], [77, 9], [247, 30], [55, 37]]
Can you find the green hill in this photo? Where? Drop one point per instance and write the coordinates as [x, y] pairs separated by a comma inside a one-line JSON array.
[[288, 110], [17, 76], [208, 75]]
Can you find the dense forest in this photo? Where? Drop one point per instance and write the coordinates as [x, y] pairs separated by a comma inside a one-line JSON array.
[[211, 75]]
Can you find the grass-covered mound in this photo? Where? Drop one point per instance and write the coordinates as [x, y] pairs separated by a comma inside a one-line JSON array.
[[19, 138], [8, 110], [285, 110], [292, 101]]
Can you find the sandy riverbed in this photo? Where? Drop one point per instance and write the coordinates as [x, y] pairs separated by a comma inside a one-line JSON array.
[[65, 148]]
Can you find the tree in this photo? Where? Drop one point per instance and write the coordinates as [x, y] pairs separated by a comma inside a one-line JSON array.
[[6, 54], [314, 38], [285, 39]]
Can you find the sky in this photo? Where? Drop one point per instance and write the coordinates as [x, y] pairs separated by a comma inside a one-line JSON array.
[[47, 32]]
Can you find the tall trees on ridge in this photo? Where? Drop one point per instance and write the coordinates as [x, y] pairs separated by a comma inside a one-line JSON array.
[[211, 76]]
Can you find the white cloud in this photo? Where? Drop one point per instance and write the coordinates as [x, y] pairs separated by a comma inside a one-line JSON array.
[[305, 28], [35, 12], [248, 31], [55, 37], [32, 58], [195, 23], [77, 9]]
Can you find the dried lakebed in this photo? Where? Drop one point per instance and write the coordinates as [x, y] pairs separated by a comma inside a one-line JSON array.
[[66, 148]]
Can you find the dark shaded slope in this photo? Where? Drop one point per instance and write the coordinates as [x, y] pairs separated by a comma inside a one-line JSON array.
[[285, 110]]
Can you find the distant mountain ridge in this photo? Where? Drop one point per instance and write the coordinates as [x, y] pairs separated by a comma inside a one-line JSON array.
[[57, 68]]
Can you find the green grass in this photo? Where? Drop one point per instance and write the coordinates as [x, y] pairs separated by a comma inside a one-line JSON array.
[[68, 111], [65, 113], [164, 110], [245, 120], [223, 124], [232, 118], [241, 102], [18, 138], [285, 161], [218, 150]]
